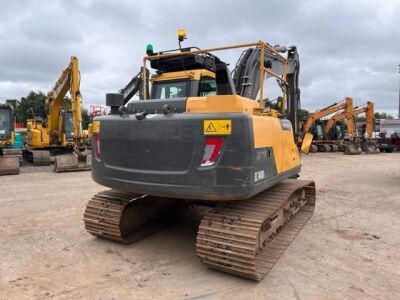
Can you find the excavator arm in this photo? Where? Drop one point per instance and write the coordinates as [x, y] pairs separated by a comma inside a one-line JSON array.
[[307, 137], [69, 80], [369, 119], [134, 86], [367, 108], [249, 71], [348, 114], [342, 105]]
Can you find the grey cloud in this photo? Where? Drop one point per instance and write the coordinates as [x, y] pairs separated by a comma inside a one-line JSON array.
[[346, 48]]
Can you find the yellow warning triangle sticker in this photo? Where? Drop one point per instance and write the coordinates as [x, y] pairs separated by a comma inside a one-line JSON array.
[[211, 128]]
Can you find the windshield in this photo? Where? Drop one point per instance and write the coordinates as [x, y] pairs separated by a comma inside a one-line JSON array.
[[319, 131], [5, 123], [170, 89], [68, 122]]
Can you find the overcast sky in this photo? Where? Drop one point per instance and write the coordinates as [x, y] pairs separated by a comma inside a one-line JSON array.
[[347, 48]]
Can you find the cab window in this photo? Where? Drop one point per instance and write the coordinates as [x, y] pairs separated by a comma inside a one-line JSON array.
[[207, 86], [5, 120], [170, 89]]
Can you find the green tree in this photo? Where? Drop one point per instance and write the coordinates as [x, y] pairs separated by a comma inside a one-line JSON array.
[[13, 103], [383, 115], [303, 115], [33, 105], [34, 100], [360, 118]]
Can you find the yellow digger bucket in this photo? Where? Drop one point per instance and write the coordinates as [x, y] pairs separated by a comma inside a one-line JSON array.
[[9, 165], [71, 163], [306, 144]]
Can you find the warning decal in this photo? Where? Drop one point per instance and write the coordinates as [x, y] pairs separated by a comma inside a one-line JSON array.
[[217, 127]]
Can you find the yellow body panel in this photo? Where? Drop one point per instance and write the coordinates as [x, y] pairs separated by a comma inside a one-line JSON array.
[[221, 103], [189, 74], [38, 137], [8, 142], [267, 130]]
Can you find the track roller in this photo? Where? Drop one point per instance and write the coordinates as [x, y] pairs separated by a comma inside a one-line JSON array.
[[334, 148], [313, 148], [323, 148]]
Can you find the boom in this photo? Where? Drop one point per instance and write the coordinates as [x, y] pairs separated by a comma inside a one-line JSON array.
[[134, 86], [347, 102], [367, 108]]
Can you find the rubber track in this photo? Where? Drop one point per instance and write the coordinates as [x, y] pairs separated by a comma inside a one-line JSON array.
[[228, 239]]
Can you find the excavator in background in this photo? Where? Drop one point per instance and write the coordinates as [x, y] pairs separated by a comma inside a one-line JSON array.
[[94, 111], [9, 156], [322, 145], [366, 143], [60, 134], [204, 136]]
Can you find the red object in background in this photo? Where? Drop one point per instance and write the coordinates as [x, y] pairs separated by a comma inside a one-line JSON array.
[[393, 139], [96, 110], [396, 140], [19, 125]]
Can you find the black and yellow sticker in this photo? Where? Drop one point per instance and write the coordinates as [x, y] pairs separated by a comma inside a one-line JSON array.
[[217, 127], [96, 126]]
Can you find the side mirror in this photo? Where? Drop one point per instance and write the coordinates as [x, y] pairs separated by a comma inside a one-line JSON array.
[[306, 144]]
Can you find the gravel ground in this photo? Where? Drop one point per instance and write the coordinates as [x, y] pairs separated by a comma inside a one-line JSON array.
[[349, 249]]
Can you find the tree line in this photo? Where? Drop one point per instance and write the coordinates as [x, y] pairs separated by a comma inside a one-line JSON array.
[[33, 106]]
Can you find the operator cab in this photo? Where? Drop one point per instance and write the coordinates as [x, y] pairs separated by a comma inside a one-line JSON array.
[[179, 77], [6, 122], [184, 76]]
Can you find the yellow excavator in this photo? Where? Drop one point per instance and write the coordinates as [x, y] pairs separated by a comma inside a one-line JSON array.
[[203, 136], [322, 145], [9, 156], [60, 135], [367, 143]]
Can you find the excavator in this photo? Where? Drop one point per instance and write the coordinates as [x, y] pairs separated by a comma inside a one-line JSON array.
[[321, 145], [60, 135], [9, 156], [367, 144], [203, 136]]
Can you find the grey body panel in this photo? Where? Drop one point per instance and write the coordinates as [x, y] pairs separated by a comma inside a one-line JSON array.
[[161, 156], [154, 106]]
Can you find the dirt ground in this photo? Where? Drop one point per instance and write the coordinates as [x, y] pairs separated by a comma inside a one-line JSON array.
[[349, 249]]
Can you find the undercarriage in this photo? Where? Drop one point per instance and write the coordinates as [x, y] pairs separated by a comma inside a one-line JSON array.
[[245, 238]]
